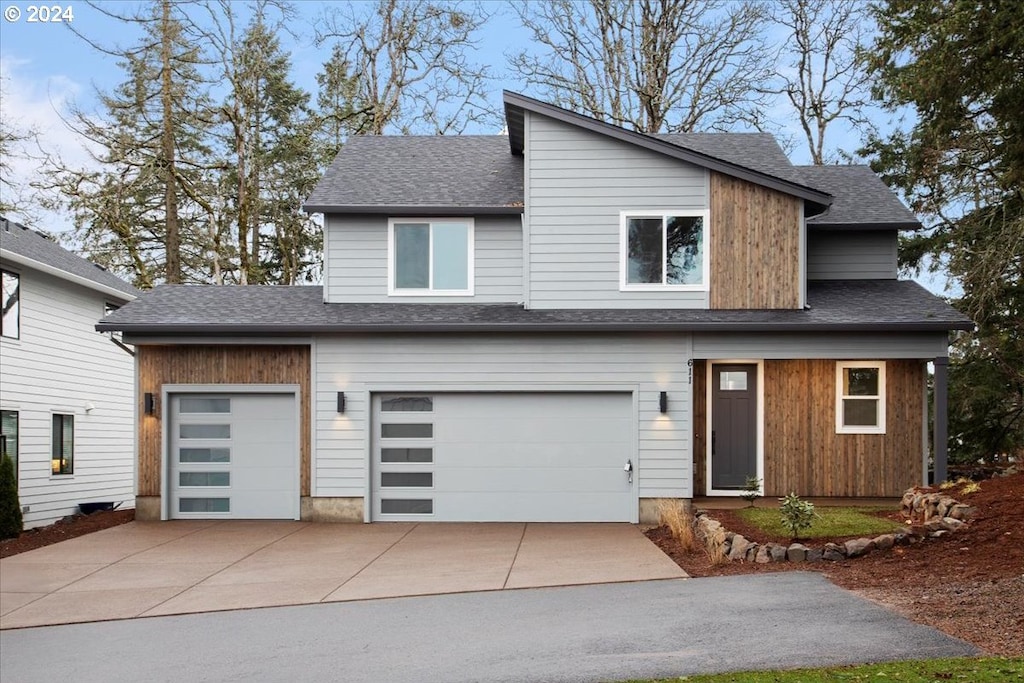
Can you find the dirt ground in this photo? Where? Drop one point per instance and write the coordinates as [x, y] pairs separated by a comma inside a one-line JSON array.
[[969, 584], [63, 529]]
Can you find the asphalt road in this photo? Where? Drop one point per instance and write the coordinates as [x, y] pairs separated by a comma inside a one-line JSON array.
[[581, 633]]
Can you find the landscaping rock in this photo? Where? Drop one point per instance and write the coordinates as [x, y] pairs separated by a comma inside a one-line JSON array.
[[796, 552], [763, 555], [751, 552], [738, 549], [961, 511], [777, 552], [858, 547], [885, 541], [833, 553], [950, 524], [815, 555], [932, 525], [938, 534]]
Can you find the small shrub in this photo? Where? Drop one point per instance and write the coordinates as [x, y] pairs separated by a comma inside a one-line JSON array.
[[970, 487], [751, 490], [797, 514], [10, 506], [714, 546], [673, 514]]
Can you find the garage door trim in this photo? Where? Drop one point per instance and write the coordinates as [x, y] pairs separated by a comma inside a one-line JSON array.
[[169, 390]]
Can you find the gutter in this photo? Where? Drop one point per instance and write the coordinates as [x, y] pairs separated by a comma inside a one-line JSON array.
[[405, 210]]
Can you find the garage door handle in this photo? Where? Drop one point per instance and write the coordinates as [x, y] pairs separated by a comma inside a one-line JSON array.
[[629, 471], [712, 443]]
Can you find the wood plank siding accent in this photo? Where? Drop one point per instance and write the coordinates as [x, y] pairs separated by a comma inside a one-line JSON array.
[[803, 453], [159, 365], [700, 447], [755, 246]]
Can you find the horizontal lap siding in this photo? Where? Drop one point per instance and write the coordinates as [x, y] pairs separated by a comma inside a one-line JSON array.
[[853, 255], [803, 453], [578, 183], [160, 365], [755, 246], [359, 364], [60, 364], [357, 258]]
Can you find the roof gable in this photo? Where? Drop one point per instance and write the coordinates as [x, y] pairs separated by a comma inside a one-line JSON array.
[[29, 248]]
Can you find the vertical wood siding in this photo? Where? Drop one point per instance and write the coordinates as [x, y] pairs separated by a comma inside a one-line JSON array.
[[803, 453], [159, 365], [851, 255], [700, 404], [755, 246]]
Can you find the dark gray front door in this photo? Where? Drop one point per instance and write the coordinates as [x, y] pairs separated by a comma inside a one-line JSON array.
[[733, 425]]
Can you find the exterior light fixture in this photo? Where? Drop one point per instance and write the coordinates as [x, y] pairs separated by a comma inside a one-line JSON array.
[[663, 402], [341, 401], [148, 403]]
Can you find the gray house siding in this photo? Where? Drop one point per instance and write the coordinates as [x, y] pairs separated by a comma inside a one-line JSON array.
[[851, 255], [577, 183], [357, 260], [840, 346], [360, 365]]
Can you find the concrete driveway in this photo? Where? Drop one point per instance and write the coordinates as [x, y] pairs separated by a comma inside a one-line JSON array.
[[184, 567]]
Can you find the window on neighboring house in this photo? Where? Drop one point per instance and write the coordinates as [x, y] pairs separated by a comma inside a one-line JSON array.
[[860, 397], [430, 256], [664, 249], [63, 440], [10, 325], [9, 437]]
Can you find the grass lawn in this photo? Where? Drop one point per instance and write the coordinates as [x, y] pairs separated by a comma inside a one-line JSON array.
[[986, 670], [829, 522]]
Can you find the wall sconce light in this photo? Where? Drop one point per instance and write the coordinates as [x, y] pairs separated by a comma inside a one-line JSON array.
[[341, 401], [663, 402], [148, 403]]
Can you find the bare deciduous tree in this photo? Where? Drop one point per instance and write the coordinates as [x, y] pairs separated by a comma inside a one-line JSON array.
[[655, 66], [821, 76], [410, 59]]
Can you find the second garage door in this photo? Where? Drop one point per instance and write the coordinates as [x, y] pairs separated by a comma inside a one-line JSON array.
[[532, 457]]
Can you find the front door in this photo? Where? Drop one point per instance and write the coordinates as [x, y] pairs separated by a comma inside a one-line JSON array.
[[733, 426]]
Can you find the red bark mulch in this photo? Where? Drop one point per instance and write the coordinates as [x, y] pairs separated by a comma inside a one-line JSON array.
[[969, 584], [64, 529]]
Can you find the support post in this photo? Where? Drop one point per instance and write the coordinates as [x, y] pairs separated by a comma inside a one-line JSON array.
[[941, 435]]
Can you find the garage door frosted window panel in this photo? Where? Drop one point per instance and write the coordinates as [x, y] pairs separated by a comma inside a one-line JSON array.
[[236, 456], [405, 456]]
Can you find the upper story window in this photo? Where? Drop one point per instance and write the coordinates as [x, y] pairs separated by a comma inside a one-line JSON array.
[[860, 397], [430, 256], [664, 250], [10, 325]]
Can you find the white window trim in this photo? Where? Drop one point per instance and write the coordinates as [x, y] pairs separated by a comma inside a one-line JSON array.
[[841, 428], [430, 291], [625, 286]]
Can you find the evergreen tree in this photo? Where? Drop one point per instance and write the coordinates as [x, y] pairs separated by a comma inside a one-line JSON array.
[[10, 506]]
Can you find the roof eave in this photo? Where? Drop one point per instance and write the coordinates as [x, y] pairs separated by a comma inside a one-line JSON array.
[[363, 328], [112, 292], [412, 210], [819, 200], [890, 225]]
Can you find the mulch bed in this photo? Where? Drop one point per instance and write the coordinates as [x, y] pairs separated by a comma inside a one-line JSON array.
[[63, 529], [969, 584]]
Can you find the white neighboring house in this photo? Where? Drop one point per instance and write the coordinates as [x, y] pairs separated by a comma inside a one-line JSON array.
[[66, 390]]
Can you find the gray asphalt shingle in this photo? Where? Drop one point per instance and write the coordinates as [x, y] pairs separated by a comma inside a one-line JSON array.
[[30, 244], [861, 198], [861, 305]]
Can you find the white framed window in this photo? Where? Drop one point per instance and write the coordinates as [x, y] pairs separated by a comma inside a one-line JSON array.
[[860, 397], [62, 442], [664, 250], [430, 256]]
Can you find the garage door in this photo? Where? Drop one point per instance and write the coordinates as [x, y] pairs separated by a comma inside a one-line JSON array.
[[233, 456], [536, 457]]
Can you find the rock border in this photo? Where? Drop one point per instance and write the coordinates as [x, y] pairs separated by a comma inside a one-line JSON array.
[[939, 514]]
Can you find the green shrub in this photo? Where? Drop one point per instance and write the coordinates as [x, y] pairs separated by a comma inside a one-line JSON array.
[[10, 506], [751, 490], [797, 514]]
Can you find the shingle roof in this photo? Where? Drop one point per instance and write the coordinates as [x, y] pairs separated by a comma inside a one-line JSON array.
[[862, 200], [29, 244], [380, 171], [864, 305], [758, 151]]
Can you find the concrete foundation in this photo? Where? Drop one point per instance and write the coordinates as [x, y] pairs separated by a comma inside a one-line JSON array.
[[331, 509], [147, 508], [649, 513]]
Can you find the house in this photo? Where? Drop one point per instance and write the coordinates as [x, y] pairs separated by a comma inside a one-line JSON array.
[[66, 391], [567, 323]]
